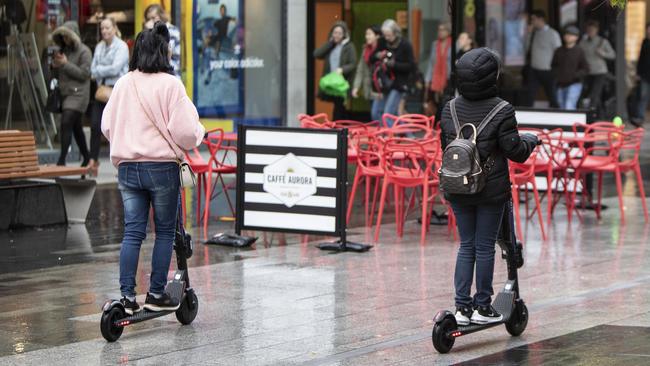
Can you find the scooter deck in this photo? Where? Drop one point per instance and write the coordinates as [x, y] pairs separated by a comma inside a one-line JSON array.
[[503, 303], [175, 289]]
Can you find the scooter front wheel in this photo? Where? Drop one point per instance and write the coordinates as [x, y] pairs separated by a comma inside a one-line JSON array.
[[441, 342], [519, 319], [110, 331], [189, 308]]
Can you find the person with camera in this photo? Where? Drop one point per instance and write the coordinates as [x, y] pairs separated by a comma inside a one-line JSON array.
[[479, 214], [110, 62], [340, 56], [71, 66], [396, 59], [149, 120]]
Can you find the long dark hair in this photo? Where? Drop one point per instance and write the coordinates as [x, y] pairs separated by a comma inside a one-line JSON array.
[[151, 50]]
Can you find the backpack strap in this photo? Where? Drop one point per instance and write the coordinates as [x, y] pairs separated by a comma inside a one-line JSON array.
[[497, 108], [454, 116]]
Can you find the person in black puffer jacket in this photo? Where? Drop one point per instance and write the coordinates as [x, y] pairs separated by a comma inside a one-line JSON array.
[[479, 215]]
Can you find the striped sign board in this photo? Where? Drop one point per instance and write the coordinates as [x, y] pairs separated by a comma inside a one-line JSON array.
[[291, 180]]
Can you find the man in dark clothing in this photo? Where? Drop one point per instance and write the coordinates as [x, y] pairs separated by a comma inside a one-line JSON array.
[[569, 68], [643, 72], [479, 215]]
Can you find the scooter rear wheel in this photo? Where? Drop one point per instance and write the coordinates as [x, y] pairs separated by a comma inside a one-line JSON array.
[[519, 319], [441, 342], [110, 331], [189, 308]]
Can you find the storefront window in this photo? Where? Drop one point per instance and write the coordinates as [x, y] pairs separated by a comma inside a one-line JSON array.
[[237, 60]]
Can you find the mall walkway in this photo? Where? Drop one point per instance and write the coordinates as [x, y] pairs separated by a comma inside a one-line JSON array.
[[286, 302]]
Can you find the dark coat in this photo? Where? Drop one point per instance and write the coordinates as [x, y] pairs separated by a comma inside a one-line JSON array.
[[348, 54], [569, 66], [643, 65], [401, 60], [74, 76], [477, 74]]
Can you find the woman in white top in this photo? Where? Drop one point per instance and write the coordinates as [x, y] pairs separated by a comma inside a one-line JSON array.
[[110, 62]]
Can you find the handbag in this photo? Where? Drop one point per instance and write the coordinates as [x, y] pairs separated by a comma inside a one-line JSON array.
[[54, 103], [186, 174], [103, 93]]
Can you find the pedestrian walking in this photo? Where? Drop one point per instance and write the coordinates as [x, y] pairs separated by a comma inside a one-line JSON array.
[[155, 13], [569, 68], [541, 44], [479, 215], [110, 62], [438, 68], [340, 56], [643, 73], [71, 66], [395, 56], [148, 129], [363, 78], [597, 52]]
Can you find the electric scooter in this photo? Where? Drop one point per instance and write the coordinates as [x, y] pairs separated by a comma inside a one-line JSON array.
[[114, 318], [508, 302]]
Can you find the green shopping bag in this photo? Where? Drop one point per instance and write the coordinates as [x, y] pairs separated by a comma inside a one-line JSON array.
[[334, 85]]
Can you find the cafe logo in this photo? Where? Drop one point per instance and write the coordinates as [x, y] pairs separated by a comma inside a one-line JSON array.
[[290, 180]]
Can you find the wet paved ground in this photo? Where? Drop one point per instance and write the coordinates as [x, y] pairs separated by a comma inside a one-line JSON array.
[[285, 302]]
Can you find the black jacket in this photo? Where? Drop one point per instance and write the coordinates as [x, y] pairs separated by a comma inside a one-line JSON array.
[[569, 66], [643, 65], [399, 58], [477, 74]]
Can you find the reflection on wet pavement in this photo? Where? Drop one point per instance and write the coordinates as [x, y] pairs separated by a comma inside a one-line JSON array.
[[285, 302]]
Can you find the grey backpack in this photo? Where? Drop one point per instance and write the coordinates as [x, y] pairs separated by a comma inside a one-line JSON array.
[[461, 171]]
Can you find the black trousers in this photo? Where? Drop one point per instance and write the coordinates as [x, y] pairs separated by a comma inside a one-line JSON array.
[[71, 124], [340, 112], [594, 85], [543, 78], [96, 129]]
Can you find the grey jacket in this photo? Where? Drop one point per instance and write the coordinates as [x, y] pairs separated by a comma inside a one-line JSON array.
[[74, 76], [363, 80], [546, 41], [110, 62], [431, 64], [597, 50]]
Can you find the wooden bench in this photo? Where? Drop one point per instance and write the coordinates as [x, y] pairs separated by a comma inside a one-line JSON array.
[[19, 161]]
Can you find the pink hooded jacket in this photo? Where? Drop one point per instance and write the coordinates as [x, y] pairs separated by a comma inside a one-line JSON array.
[[129, 129]]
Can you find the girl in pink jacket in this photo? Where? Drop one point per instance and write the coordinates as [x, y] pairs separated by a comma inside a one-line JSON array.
[[149, 121]]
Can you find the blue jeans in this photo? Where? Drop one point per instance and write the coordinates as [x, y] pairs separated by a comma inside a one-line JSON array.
[[644, 98], [478, 227], [388, 104], [567, 97], [144, 185]]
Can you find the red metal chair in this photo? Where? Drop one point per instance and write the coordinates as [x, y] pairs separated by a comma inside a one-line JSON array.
[[217, 165], [406, 164], [418, 119], [368, 168], [616, 150], [521, 176]]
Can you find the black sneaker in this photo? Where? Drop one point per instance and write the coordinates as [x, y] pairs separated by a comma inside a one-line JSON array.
[[130, 307], [164, 303], [486, 315], [462, 315]]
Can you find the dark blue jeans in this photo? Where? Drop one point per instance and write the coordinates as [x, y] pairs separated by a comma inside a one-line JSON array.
[[145, 185], [478, 227]]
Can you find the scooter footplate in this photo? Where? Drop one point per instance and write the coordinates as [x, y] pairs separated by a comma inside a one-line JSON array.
[[174, 288], [504, 304]]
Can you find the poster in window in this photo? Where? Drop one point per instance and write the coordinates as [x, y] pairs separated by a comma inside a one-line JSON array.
[[218, 57], [515, 32]]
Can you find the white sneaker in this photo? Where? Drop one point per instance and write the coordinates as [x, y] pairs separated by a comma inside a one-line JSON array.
[[462, 316]]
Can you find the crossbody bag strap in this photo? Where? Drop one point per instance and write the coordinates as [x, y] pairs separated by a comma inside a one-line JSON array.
[[137, 93], [454, 115]]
